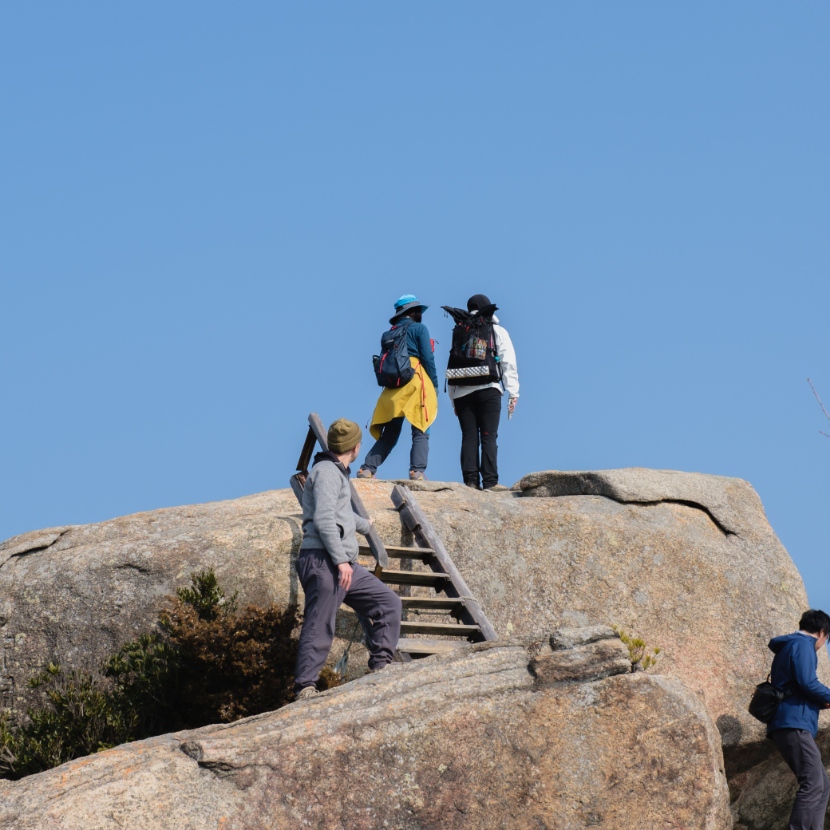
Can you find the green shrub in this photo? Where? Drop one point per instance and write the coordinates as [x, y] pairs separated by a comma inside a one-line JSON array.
[[641, 657], [230, 664], [207, 662], [145, 684], [79, 717], [205, 596]]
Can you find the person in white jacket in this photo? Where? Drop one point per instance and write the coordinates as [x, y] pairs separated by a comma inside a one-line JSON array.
[[478, 409]]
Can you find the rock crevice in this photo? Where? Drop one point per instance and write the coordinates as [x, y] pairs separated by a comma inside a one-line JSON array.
[[30, 543], [724, 501]]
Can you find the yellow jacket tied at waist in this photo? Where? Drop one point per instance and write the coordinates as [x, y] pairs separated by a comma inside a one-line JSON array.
[[417, 401]]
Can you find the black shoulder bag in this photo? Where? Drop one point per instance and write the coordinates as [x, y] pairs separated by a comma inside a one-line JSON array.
[[766, 699]]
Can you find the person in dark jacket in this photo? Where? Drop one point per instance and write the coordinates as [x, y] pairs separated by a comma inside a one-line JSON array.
[[416, 401], [795, 725]]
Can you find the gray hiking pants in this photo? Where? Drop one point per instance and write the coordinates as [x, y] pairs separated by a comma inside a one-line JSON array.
[[803, 757], [367, 595], [418, 455]]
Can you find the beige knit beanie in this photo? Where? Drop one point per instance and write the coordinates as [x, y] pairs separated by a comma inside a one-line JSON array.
[[343, 436]]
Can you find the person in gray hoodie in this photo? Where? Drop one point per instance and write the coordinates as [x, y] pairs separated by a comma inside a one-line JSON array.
[[794, 726], [328, 568]]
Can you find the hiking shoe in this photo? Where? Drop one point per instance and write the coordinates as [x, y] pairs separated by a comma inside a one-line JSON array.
[[364, 473], [497, 488], [473, 485], [416, 475], [306, 692]]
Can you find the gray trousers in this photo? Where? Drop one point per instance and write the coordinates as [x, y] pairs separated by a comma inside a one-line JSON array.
[[800, 751], [367, 595]]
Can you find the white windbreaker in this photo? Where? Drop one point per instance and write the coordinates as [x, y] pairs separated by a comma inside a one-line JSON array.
[[507, 360]]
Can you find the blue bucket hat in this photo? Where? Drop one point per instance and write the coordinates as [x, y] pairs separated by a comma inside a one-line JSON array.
[[406, 303]]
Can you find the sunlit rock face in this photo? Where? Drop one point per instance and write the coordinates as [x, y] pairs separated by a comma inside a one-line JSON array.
[[686, 561], [496, 735]]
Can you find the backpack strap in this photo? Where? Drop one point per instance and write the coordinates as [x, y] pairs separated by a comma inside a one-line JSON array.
[[496, 355]]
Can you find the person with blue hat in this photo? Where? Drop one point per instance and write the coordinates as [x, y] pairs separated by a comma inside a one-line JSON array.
[[416, 401]]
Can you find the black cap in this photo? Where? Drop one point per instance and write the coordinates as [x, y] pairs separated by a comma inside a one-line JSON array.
[[477, 302]]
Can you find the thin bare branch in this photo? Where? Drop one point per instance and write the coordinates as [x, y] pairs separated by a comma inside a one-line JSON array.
[[826, 414]]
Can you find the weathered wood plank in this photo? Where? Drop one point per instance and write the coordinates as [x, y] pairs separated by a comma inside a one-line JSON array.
[[416, 521], [308, 449], [433, 603], [427, 579], [398, 552], [297, 487], [440, 629], [423, 646]]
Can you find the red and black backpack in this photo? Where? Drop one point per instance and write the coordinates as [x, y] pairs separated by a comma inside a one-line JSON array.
[[474, 358]]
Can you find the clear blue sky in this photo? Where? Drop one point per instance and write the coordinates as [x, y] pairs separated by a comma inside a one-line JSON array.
[[207, 211]]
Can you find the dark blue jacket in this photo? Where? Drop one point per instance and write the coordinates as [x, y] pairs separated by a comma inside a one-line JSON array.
[[794, 667], [418, 343]]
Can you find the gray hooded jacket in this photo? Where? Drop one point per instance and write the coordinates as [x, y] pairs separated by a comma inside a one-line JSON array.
[[329, 523]]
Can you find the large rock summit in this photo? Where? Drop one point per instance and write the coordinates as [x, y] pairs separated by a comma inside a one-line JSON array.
[[686, 561]]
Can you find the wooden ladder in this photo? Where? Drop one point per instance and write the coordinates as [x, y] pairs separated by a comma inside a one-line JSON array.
[[442, 590]]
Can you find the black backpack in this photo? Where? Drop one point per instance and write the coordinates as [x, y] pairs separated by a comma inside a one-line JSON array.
[[766, 699], [474, 358], [392, 366]]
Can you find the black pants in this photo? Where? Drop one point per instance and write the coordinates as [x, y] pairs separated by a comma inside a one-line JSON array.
[[478, 414], [802, 755]]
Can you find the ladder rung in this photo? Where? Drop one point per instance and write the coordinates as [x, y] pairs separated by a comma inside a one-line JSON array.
[[425, 578], [440, 629], [397, 552], [423, 647], [436, 603]]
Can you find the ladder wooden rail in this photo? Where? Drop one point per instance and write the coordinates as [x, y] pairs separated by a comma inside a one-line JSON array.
[[297, 483], [317, 433], [305, 456], [416, 521]]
